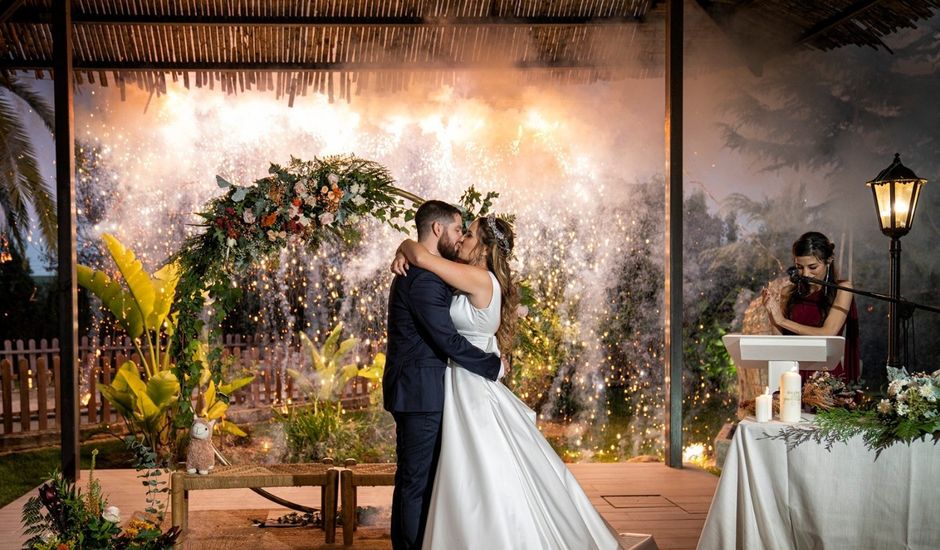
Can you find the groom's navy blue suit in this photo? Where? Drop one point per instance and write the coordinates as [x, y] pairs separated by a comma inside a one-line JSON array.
[[421, 337]]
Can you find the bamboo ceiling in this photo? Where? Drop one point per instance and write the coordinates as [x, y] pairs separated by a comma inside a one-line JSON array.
[[344, 47]]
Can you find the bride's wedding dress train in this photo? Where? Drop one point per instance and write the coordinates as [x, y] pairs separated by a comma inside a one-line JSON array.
[[499, 485]]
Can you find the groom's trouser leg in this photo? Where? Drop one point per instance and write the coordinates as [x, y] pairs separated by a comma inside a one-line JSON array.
[[417, 444]]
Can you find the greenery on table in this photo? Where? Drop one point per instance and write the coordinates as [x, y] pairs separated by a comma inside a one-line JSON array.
[[909, 411]]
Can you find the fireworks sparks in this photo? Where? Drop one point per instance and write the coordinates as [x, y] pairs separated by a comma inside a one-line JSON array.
[[579, 217]]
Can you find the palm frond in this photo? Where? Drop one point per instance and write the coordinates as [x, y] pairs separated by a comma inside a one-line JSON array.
[[14, 216], [39, 106], [21, 177]]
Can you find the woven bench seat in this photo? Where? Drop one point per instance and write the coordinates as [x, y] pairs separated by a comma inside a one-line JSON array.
[[247, 476], [360, 475]]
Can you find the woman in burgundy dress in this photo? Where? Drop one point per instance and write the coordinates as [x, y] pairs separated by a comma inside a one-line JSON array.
[[815, 310]]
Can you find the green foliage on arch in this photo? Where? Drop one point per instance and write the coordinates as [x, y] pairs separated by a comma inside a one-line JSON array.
[[310, 202]]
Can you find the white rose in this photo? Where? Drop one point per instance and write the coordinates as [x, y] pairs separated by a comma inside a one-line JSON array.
[[894, 387], [326, 219], [310, 200], [927, 392], [112, 514], [303, 220], [293, 211], [300, 188], [332, 178], [248, 216], [358, 200], [522, 310]]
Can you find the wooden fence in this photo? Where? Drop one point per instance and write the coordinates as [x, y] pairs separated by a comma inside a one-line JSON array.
[[30, 372]]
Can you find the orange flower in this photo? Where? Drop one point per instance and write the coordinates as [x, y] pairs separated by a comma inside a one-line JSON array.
[[297, 202], [269, 220]]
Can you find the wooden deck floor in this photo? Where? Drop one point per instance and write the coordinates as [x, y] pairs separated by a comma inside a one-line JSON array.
[[634, 498]]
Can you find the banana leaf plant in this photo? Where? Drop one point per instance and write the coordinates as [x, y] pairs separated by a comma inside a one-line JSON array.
[[215, 397], [329, 376], [141, 303]]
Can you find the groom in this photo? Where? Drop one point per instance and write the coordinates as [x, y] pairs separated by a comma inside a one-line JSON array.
[[421, 337]]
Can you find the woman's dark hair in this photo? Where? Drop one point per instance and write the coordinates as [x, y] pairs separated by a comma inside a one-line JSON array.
[[819, 246]]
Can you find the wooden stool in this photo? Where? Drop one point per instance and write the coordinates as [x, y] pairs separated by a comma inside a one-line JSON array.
[[324, 475], [359, 475]]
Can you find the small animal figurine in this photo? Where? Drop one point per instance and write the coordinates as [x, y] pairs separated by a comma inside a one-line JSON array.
[[201, 455]]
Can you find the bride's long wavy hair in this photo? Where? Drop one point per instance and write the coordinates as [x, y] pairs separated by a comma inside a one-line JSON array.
[[497, 252]]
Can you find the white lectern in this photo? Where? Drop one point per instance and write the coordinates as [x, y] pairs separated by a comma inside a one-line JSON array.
[[779, 354]]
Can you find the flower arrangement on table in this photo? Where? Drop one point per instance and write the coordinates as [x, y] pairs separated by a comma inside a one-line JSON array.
[[911, 410], [822, 392]]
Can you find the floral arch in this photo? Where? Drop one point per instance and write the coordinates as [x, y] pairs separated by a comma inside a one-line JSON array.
[[309, 202]]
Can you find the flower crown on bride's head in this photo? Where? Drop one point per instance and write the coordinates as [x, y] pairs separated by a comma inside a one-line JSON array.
[[501, 240]]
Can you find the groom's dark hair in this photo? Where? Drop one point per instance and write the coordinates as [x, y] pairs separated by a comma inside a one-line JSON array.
[[433, 211]]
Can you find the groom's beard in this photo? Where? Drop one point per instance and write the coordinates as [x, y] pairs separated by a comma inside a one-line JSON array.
[[447, 248]]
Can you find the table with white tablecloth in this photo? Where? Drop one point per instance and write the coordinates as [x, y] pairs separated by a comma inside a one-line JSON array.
[[810, 498]]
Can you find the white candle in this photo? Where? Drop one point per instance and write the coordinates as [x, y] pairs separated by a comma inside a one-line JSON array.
[[790, 396], [763, 406]]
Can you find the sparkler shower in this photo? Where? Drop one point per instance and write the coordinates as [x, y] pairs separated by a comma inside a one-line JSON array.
[[576, 165]]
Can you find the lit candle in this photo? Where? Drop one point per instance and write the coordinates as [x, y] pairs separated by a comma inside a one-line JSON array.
[[790, 396], [764, 406]]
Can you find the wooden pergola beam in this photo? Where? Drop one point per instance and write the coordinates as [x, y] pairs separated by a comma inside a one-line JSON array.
[[65, 216], [35, 16], [835, 20], [322, 66], [672, 262]]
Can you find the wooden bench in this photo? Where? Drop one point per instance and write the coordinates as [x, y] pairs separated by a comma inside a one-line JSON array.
[[324, 475], [360, 475]]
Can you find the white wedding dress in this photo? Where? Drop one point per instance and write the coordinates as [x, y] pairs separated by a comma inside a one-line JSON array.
[[499, 485]]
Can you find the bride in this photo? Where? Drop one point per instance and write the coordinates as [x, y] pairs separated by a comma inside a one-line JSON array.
[[498, 484]]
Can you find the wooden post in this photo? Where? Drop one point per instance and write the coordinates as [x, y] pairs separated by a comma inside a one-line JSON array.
[[256, 383], [42, 389], [65, 209], [672, 262], [56, 376], [23, 374], [266, 376], [179, 501], [92, 394], [6, 383], [105, 380]]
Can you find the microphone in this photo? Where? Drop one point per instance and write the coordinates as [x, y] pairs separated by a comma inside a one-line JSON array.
[[793, 273]]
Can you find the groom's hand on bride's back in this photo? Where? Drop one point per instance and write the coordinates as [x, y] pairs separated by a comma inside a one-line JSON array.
[[503, 367]]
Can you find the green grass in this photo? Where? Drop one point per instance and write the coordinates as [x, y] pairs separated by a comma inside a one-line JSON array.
[[22, 472]]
